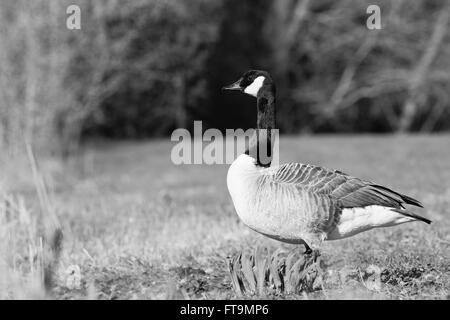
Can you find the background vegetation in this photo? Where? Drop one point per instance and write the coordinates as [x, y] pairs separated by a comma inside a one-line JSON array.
[[142, 68], [121, 221]]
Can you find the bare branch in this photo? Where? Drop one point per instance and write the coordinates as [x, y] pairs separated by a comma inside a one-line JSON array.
[[420, 73]]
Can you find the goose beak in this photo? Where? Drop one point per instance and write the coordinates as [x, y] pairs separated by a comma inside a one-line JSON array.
[[234, 86]]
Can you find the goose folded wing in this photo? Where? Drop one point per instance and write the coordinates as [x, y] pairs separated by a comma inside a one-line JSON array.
[[350, 191]]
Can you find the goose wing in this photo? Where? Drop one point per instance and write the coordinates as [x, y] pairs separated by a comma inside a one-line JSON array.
[[351, 192]]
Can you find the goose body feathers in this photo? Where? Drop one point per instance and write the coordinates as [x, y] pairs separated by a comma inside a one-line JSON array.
[[300, 203]]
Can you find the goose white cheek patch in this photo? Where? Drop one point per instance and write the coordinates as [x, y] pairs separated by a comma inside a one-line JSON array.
[[255, 86]]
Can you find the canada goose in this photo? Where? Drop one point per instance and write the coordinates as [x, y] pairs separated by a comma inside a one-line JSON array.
[[302, 203]]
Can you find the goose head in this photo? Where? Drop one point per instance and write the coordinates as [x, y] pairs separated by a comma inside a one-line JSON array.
[[253, 83]]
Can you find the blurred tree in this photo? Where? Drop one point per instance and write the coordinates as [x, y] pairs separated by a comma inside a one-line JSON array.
[[157, 56], [421, 70], [144, 67], [336, 75], [32, 66], [241, 46], [284, 29]]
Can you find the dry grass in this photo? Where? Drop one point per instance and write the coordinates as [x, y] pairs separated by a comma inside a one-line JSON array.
[[137, 227], [31, 244]]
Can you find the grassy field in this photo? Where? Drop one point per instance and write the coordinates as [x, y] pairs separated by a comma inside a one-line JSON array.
[[137, 226]]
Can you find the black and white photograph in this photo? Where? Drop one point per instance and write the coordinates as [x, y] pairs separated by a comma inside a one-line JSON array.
[[243, 153]]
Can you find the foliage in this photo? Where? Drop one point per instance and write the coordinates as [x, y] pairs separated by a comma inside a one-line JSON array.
[[142, 68], [265, 274], [157, 52]]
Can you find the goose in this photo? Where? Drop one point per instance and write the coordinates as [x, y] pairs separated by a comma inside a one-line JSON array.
[[302, 203]]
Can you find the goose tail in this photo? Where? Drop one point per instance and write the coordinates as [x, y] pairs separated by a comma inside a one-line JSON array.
[[412, 215], [391, 193]]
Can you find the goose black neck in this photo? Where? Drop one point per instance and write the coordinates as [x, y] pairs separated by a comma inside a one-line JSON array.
[[266, 109], [261, 144]]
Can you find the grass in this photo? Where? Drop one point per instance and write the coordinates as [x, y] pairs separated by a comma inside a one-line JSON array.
[[136, 226]]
